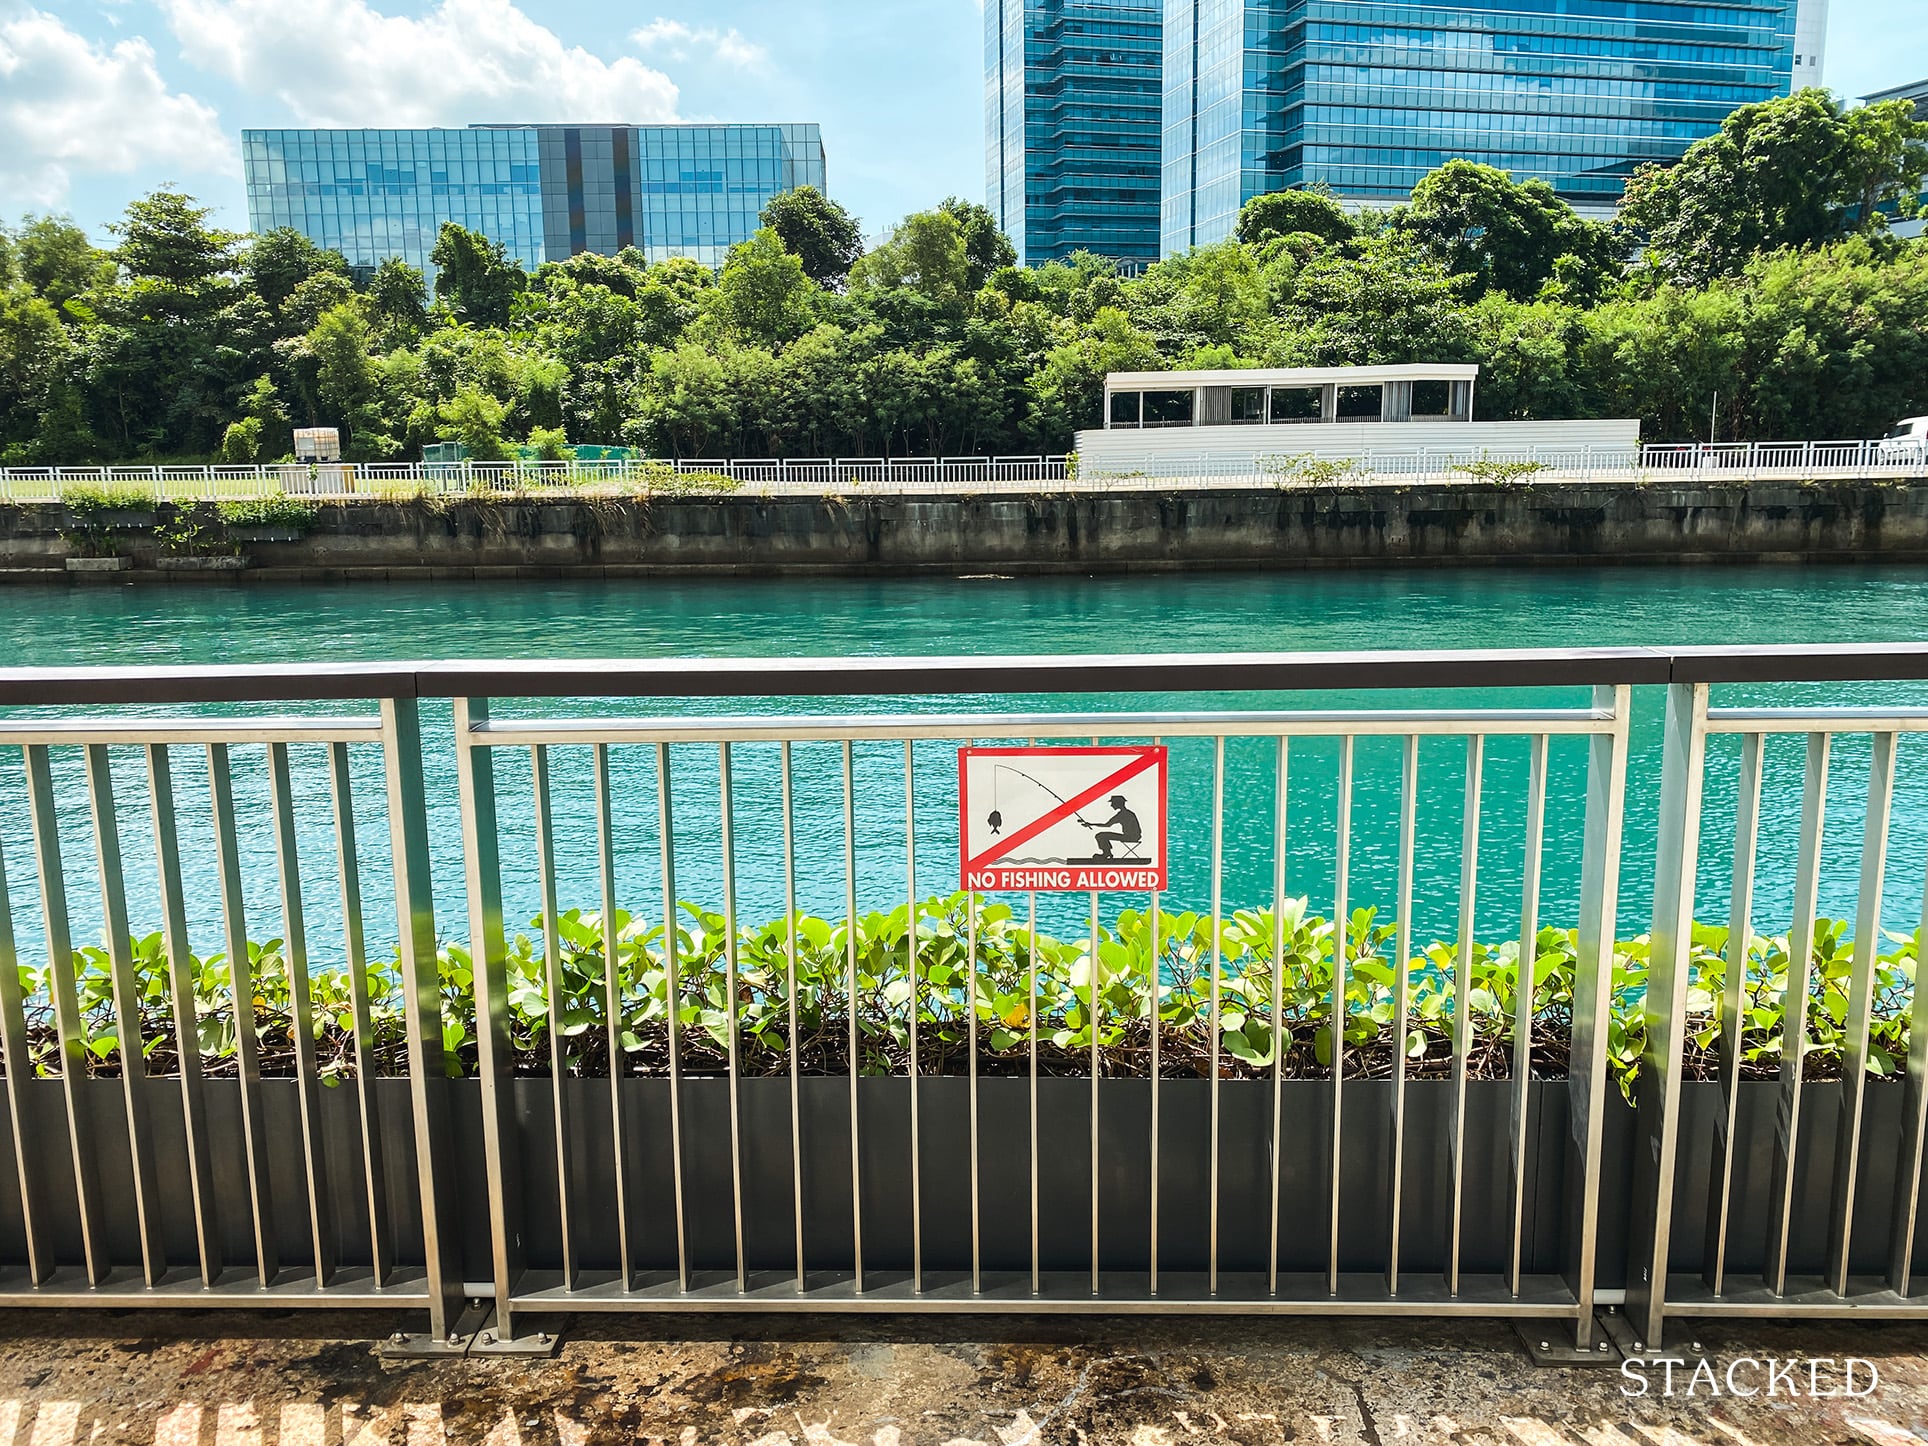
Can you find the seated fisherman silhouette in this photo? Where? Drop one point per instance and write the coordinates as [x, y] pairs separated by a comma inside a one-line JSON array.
[[1121, 827]]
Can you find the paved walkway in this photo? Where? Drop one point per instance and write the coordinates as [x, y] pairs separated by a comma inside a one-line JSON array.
[[295, 1380]]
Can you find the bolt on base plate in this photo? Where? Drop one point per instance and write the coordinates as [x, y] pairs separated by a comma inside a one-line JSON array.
[[1550, 1343], [474, 1335], [1621, 1332]]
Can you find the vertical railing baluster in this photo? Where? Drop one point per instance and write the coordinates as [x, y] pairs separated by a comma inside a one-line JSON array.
[[241, 991], [1525, 988], [1794, 1013], [1462, 999], [673, 989], [910, 948], [18, 1056], [1733, 1006], [730, 1010], [488, 962], [554, 987], [1854, 1050], [1031, 954], [1154, 985], [970, 1044], [1279, 819], [1914, 1131], [321, 1216], [1683, 770], [1593, 996], [130, 1041], [381, 1247], [1402, 1000], [1336, 1024], [68, 1025], [856, 1039], [613, 1015], [1097, 988], [790, 961], [422, 997], [1218, 892]]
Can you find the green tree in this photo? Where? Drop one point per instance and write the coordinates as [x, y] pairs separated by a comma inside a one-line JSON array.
[[54, 257], [763, 293], [397, 303], [1793, 172], [925, 254], [1504, 234], [475, 419], [1286, 213], [817, 231], [475, 276], [278, 262], [986, 248]]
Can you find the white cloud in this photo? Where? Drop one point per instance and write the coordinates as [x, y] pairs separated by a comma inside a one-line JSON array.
[[70, 106], [677, 41], [342, 62]]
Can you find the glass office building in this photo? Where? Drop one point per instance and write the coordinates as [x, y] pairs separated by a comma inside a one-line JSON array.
[[545, 192], [1072, 107], [1367, 96]]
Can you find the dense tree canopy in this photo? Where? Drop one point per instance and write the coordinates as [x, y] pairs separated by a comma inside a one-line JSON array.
[[1799, 308]]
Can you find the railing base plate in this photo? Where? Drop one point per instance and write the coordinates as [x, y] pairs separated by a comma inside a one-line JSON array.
[[1551, 1344]]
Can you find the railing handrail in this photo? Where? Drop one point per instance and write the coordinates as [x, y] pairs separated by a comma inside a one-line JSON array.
[[1027, 675]]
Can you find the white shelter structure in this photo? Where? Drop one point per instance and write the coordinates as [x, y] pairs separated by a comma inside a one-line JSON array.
[[1237, 421]]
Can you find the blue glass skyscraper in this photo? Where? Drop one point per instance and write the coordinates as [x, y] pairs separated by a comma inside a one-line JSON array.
[[1072, 109], [545, 192], [1367, 96]]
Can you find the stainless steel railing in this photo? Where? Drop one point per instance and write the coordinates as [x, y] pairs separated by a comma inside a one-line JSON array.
[[573, 1189]]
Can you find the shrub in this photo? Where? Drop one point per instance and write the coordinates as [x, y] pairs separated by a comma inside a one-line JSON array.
[[1307, 471], [1179, 956], [277, 510], [1496, 473], [88, 500], [241, 443]]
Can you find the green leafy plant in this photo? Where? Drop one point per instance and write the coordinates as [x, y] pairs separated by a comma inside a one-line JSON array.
[[191, 533], [1274, 1007], [277, 510], [90, 501], [1308, 471], [1497, 473]]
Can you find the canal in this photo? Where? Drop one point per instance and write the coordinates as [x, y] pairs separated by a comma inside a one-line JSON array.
[[780, 619]]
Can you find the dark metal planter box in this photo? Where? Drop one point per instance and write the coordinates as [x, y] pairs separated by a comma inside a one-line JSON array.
[[1064, 1107]]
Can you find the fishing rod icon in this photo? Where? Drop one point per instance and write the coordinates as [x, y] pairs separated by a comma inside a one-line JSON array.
[[996, 819]]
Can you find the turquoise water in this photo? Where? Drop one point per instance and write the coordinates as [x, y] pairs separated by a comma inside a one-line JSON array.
[[1154, 613]]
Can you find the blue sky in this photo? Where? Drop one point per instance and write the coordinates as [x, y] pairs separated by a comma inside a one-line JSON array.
[[103, 99]]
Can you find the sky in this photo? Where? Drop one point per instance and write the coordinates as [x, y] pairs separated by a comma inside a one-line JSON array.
[[103, 100]]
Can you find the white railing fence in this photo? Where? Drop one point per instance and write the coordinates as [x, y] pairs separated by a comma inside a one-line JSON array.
[[1725, 462]]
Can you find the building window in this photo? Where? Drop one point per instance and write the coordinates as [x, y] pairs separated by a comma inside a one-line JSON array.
[[1359, 404], [1432, 399], [1125, 408], [1297, 404], [1168, 409]]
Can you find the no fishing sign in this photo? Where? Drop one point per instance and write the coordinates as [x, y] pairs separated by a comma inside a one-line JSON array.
[[1062, 820]]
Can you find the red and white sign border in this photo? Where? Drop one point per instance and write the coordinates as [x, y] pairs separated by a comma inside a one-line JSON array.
[[984, 875]]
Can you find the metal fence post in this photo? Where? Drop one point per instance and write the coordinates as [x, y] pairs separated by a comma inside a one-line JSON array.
[[482, 868], [1676, 864], [422, 1015], [1592, 996]]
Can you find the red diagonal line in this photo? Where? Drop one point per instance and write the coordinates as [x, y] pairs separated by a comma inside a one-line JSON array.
[[1063, 811]]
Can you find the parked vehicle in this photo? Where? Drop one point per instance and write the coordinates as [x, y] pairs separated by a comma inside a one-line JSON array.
[[1908, 442]]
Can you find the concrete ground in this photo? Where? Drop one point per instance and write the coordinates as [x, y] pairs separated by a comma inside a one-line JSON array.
[[296, 1379]]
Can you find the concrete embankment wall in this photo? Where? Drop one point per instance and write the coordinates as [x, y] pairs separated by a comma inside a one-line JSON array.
[[1045, 532]]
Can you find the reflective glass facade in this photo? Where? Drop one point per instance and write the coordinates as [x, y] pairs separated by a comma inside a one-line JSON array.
[[1072, 109], [1367, 97], [545, 192]]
